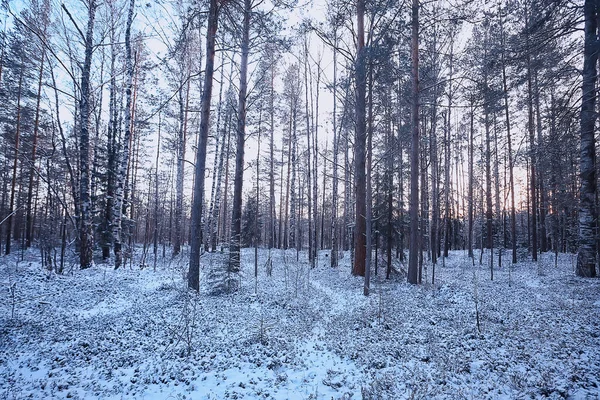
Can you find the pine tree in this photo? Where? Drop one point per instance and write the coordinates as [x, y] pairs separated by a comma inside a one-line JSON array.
[[197, 205], [588, 214]]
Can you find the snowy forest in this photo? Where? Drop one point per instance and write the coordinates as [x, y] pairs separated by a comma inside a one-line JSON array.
[[255, 199]]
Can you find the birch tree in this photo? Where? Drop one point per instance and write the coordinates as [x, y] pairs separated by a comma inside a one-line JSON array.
[[86, 235], [123, 162]]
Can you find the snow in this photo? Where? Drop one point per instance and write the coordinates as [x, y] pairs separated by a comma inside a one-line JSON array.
[[303, 334]]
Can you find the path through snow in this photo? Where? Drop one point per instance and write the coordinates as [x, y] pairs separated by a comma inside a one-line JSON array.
[[304, 334]]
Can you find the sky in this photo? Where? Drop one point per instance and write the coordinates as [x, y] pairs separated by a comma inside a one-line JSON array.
[[157, 20]]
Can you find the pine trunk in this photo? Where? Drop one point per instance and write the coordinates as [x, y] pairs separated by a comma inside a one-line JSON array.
[[11, 208], [541, 165], [334, 190], [414, 159], [309, 166], [272, 214], [181, 144], [435, 196], [368, 194], [208, 234], [497, 205], [489, 214], [224, 153], [513, 218], [156, 193], [532, 150], [293, 240], [36, 125], [236, 218], [360, 143], [390, 192], [198, 202], [315, 182], [588, 212], [471, 179]]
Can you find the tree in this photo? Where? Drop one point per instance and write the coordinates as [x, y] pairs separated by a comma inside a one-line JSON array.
[[272, 55], [334, 193], [588, 192], [123, 163], [414, 159], [42, 13], [183, 71], [86, 236], [197, 204], [513, 218], [11, 209], [236, 218], [251, 223], [360, 143]]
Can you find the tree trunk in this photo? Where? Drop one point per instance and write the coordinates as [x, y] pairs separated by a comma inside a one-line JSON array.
[[36, 124], [4, 178], [272, 214], [96, 159], [256, 231], [286, 231], [489, 214], [448, 123], [85, 226], [390, 191], [2, 53], [513, 218], [532, 150], [292, 237], [347, 188], [282, 213], [309, 166], [435, 197], [424, 208], [447, 189], [224, 155], [236, 218], [323, 199], [541, 165], [588, 213], [216, 170], [196, 221], [156, 194], [471, 179], [65, 154], [315, 181], [334, 183], [123, 163], [11, 210], [497, 191], [181, 143], [402, 227], [369, 195], [112, 130], [360, 143], [414, 160]]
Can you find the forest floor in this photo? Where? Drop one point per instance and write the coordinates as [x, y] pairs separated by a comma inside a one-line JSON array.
[[532, 332]]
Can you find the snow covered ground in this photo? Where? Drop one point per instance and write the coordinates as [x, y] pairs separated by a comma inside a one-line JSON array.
[[299, 334]]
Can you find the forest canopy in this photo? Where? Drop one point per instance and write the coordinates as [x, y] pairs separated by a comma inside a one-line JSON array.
[[410, 127]]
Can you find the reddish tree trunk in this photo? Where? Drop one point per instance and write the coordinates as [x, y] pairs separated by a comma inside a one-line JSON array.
[[360, 143]]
